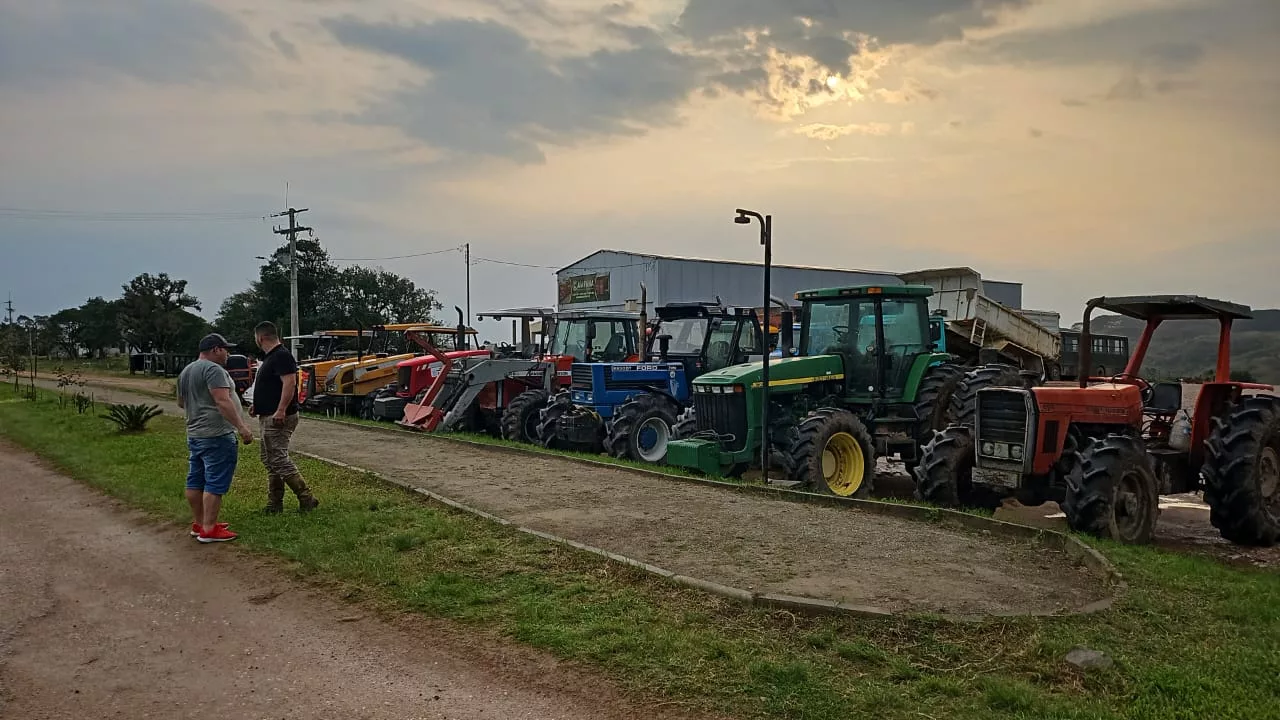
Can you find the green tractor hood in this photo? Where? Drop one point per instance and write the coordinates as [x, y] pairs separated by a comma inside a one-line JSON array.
[[783, 372]]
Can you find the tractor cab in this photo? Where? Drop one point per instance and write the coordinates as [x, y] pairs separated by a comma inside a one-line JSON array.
[[704, 336], [596, 336], [530, 329], [1107, 448], [877, 332]]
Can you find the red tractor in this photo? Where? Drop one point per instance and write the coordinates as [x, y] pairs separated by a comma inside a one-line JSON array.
[[1106, 449], [502, 391]]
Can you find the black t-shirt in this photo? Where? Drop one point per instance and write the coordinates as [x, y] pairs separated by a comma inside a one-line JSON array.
[[278, 364]]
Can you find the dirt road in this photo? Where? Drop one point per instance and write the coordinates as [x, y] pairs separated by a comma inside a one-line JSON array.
[[745, 541], [104, 614]]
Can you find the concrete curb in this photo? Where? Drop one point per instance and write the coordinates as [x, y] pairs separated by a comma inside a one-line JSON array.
[[776, 601]]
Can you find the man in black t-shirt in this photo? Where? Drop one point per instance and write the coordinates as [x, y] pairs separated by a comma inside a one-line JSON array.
[[275, 404]]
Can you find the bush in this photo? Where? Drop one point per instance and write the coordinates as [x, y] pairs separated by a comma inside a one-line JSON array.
[[132, 418]]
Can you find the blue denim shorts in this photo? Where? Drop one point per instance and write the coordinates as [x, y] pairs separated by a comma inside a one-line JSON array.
[[213, 463]]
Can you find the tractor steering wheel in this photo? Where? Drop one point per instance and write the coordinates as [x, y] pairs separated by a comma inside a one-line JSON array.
[[1144, 387], [841, 331]]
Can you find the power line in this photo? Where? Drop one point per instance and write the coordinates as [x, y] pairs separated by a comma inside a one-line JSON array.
[[50, 214], [399, 257]]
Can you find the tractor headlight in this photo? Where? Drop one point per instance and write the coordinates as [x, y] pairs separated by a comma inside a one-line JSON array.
[[1015, 452], [988, 448]]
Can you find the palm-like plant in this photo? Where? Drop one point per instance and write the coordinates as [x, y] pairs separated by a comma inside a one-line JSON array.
[[132, 418]]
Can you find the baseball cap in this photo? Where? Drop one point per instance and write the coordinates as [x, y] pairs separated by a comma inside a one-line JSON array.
[[213, 341]]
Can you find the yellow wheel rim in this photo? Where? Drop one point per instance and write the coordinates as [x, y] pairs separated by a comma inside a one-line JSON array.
[[843, 464]]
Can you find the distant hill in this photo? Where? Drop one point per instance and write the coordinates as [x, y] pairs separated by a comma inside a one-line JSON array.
[[1190, 348]]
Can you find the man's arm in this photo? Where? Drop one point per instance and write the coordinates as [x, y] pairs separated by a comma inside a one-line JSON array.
[[288, 387], [181, 404], [224, 398]]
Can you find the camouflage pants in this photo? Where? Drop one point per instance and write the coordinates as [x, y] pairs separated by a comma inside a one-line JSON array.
[[274, 446]]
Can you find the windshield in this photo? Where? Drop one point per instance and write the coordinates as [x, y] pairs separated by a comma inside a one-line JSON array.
[[612, 342], [687, 335], [838, 325]]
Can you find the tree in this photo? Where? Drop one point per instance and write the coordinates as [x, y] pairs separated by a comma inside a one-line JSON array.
[[64, 330], [153, 312], [1243, 376], [328, 298], [99, 325], [370, 297]]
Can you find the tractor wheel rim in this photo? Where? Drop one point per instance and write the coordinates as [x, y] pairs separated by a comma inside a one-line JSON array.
[[843, 464], [651, 439], [1129, 510], [1269, 478]]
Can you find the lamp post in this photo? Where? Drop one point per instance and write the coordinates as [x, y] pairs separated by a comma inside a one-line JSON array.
[[766, 239]]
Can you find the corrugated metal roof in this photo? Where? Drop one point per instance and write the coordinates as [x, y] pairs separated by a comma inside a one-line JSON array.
[[685, 258]]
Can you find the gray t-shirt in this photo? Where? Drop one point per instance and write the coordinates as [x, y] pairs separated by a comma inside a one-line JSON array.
[[203, 418]]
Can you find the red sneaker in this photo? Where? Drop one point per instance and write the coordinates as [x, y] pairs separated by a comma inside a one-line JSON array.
[[195, 528], [219, 534]]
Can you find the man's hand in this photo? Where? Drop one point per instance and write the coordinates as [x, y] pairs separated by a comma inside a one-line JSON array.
[[278, 418], [246, 435]]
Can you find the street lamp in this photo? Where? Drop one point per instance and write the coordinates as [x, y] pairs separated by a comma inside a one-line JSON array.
[[766, 239]]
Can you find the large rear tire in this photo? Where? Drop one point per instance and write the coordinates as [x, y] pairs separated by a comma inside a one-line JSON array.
[[1242, 472], [1116, 494], [520, 418], [833, 454], [964, 400], [933, 398], [642, 428]]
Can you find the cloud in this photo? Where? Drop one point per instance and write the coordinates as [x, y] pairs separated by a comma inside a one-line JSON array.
[[285, 47], [158, 41], [825, 131], [491, 91]]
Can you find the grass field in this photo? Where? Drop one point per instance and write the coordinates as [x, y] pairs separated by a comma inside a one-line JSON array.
[[1191, 638]]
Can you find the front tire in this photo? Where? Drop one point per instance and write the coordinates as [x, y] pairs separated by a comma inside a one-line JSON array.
[[1116, 494], [549, 416], [641, 429], [520, 418], [1242, 472], [833, 454], [945, 474]]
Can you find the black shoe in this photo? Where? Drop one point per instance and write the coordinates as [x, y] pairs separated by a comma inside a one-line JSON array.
[[307, 504]]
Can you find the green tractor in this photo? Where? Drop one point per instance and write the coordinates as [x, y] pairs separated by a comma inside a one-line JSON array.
[[868, 382]]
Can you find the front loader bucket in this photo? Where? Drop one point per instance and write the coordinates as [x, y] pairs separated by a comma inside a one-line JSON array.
[[421, 417]]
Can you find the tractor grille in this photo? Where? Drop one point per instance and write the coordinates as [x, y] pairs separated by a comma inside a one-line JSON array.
[[725, 415], [404, 379], [581, 377], [1002, 416]]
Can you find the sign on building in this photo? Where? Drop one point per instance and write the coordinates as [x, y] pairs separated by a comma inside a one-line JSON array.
[[584, 288]]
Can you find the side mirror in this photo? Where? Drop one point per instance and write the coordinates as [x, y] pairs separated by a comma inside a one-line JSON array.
[[786, 333]]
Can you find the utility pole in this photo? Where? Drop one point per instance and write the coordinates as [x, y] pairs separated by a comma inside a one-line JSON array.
[[10, 306], [467, 254], [292, 231]]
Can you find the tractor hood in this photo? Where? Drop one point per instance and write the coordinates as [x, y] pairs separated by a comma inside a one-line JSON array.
[[783, 371]]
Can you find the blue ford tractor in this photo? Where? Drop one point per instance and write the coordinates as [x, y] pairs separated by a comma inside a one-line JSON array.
[[629, 409]]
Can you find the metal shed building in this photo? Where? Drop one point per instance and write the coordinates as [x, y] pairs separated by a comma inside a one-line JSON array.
[[608, 279]]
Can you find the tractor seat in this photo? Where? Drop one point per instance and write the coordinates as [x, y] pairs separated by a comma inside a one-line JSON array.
[[1166, 399], [613, 351]]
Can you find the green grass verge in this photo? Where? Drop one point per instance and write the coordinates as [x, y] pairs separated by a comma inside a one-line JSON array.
[[1192, 638]]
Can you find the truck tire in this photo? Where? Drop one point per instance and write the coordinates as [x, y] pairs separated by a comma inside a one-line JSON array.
[[641, 429], [520, 418], [964, 400], [1242, 472], [833, 454], [549, 416], [945, 474], [933, 398], [1116, 494]]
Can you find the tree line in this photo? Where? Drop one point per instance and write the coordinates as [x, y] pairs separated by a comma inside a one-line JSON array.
[[155, 313]]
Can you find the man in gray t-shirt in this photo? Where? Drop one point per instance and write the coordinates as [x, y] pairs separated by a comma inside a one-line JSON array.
[[207, 394]]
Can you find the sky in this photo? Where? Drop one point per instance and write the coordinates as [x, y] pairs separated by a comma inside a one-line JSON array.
[[1081, 147]]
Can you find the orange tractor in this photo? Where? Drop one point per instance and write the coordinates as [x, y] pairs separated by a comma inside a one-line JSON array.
[[1109, 447]]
